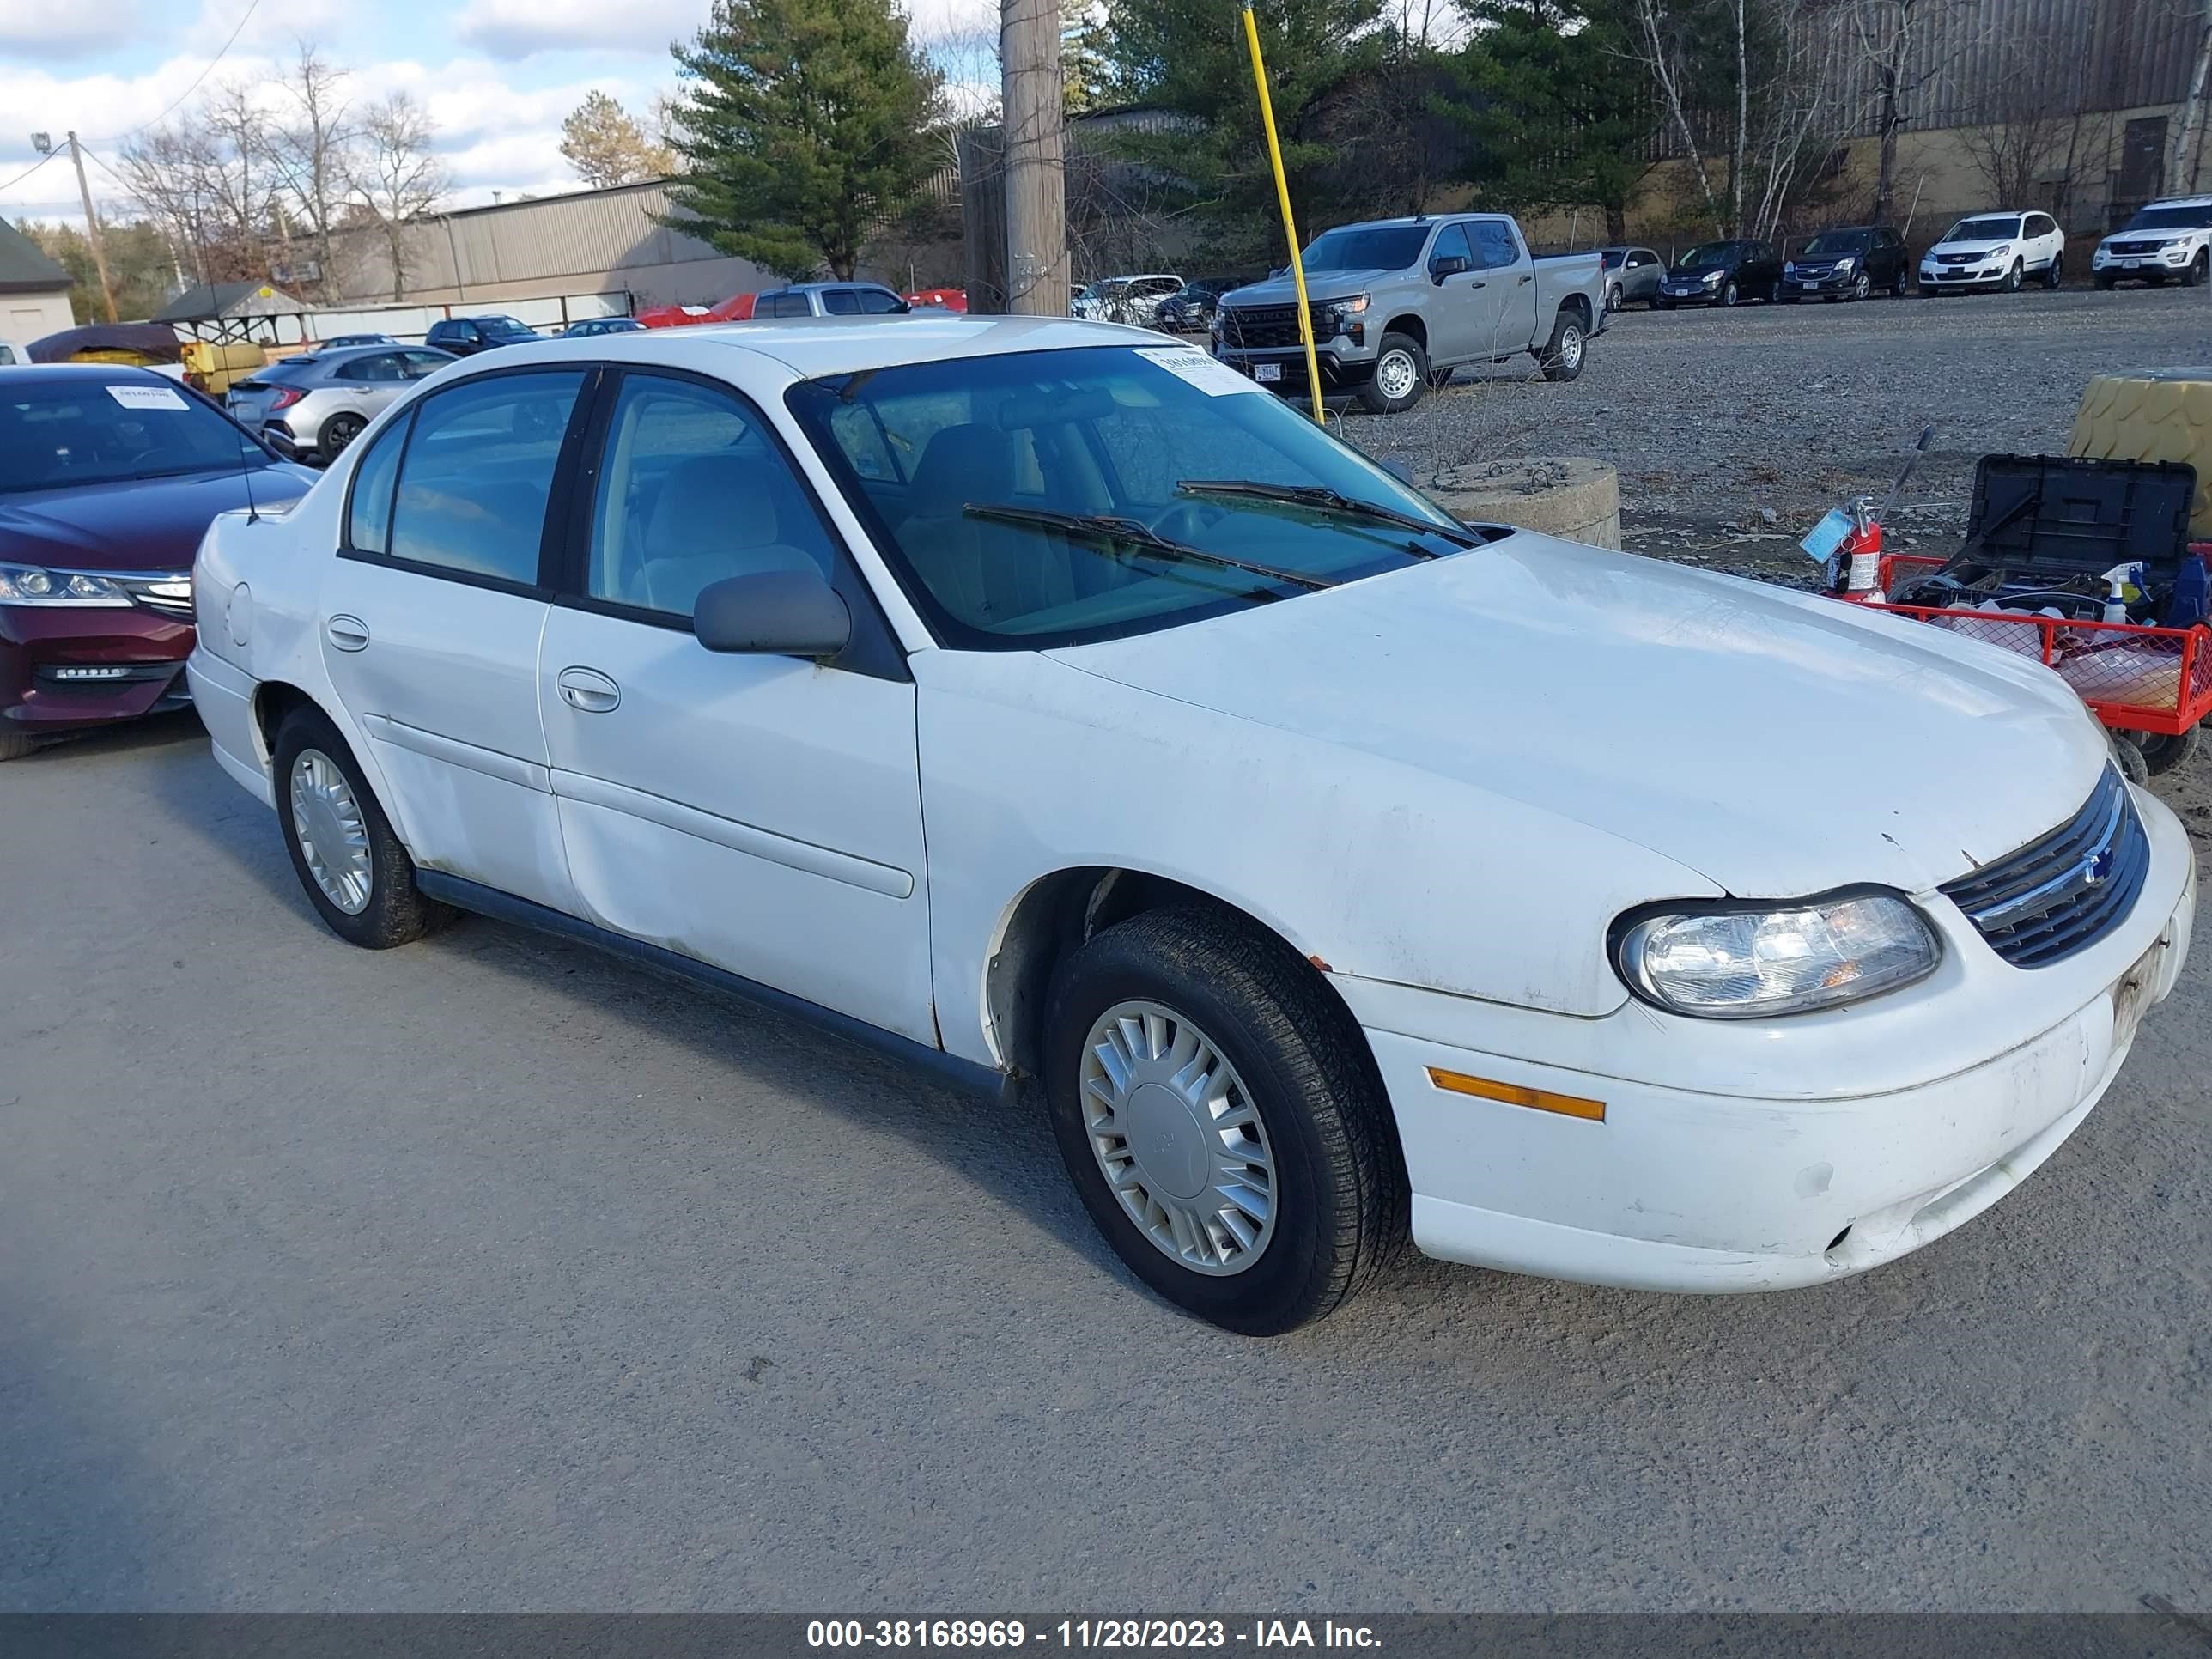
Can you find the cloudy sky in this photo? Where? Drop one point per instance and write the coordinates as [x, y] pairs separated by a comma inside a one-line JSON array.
[[496, 75]]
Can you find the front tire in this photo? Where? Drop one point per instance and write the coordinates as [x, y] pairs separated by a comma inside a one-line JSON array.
[[1400, 376], [1730, 296], [2012, 277], [14, 745], [2106, 281], [2199, 268], [352, 865], [1563, 354], [1862, 285], [1223, 1120]]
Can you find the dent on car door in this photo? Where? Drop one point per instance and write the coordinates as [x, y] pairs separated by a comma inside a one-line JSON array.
[[761, 813], [431, 615]]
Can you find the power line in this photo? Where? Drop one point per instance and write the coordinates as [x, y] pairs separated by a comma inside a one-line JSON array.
[[248, 16], [29, 170]]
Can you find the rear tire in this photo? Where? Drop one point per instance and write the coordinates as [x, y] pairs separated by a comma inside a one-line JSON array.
[[332, 824], [337, 432], [1564, 353], [2163, 754], [2055, 272], [1166, 987], [1400, 376], [1897, 284]]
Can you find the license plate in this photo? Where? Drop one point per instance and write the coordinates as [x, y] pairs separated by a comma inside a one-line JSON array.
[[1810, 283], [2130, 265], [1266, 371], [2132, 995]]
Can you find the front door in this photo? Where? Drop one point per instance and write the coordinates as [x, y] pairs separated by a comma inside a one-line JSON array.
[[432, 616], [760, 813]]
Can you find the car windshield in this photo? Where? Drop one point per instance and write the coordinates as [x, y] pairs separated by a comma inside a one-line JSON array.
[[1706, 254], [1108, 435], [1999, 229], [56, 435], [2178, 217], [1367, 247], [500, 328], [1833, 244]]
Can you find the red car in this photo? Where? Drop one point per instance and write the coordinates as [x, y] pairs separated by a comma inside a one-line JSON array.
[[108, 476]]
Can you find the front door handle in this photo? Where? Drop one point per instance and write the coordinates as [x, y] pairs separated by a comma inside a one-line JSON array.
[[1528, 276], [588, 691], [347, 633], [1478, 283]]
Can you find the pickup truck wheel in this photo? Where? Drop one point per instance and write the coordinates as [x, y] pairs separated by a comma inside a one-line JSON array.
[[1562, 356], [356, 874], [1222, 1119], [1400, 376]]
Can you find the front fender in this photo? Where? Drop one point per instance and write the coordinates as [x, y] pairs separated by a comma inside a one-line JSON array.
[[1375, 868]]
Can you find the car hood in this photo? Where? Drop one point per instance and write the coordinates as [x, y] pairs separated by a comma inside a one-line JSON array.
[[1983, 249], [1322, 287], [139, 524], [1778, 743]]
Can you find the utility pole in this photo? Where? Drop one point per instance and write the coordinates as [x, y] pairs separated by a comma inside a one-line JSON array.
[[92, 228], [1035, 158]]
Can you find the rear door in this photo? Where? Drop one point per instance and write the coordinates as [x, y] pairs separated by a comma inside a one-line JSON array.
[[433, 614], [1503, 263], [760, 813]]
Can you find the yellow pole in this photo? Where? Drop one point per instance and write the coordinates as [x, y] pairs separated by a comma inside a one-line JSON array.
[[1290, 225]]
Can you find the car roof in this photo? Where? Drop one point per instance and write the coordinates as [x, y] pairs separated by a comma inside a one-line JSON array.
[[2181, 201], [814, 288], [33, 373], [809, 348]]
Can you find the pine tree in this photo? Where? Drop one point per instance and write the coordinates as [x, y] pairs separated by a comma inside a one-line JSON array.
[[801, 129]]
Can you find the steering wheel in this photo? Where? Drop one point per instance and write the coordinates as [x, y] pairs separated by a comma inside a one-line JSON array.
[[1187, 518]]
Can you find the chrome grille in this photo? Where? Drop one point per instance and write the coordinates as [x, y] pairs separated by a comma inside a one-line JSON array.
[[2133, 249], [170, 595], [2059, 895]]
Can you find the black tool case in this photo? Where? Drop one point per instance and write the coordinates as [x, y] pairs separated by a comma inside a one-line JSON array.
[[2049, 520]]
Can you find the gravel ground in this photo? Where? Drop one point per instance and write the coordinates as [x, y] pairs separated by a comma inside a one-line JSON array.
[[1716, 418]]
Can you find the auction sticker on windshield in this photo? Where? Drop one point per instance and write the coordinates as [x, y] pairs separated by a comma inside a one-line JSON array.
[[146, 397], [1216, 380]]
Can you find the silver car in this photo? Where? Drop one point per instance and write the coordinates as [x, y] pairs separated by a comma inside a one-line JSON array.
[[312, 407]]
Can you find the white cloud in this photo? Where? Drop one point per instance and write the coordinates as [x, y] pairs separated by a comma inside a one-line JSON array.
[[67, 29], [511, 29]]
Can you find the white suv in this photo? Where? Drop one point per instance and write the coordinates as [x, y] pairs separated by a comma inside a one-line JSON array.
[[1995, 250], [2166, 239]]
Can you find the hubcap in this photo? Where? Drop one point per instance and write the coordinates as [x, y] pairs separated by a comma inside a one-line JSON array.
[[1571, 346], [1395, 374], [1178, 1139], [333, 837], [342, 433]]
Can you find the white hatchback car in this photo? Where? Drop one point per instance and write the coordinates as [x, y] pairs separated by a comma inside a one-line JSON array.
[[1995, 250], [1051, 704]]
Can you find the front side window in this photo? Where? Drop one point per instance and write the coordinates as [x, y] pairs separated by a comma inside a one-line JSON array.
[[1105, 433], [693, 491], [478, 472], [841, 302], [880, 302], [1452, 244]]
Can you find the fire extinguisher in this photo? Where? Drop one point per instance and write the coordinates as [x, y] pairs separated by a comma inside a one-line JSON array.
[[1860, 553]]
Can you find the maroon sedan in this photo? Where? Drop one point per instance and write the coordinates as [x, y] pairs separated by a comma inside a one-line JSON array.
[[108, 476]]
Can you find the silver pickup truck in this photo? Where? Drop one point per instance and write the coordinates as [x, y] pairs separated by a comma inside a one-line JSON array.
[[1398, 303]]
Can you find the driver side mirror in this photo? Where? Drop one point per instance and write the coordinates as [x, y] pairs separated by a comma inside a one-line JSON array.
[[775, 613], [1448, 265]]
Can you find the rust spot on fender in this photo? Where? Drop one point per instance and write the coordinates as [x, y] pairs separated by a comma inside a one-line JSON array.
[[1319, 963]]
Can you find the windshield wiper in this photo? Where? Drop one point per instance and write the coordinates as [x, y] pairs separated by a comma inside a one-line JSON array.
[[1332, 500], [1131, 532]]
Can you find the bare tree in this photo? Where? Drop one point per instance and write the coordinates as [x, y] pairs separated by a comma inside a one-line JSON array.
[[397, 179], [242, 178], [1908, 49], [312, 151], [2027, 125], [2188, 148], [1665, 54], [169, 169]]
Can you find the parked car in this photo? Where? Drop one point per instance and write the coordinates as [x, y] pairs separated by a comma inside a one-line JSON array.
[[1722, 274], [1132, 300], [1995, 250], [466, 336], [1397, 303], [1637, 1041], [831, 300], [592, 326], [1632, 274], [108, 476], [310, 408], [1190, 308], [2166, 239], [1848, 263], [12, 354], [338, 340]]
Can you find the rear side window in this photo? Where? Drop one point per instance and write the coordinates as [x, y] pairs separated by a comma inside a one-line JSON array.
[[1494, 246], [368, 512], [478, 473]]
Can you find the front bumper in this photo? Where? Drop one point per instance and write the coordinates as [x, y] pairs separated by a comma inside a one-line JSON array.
[[1341, 370], [142, 649], [1961, 275], [1736, 1160], [1823, 283], [2171, 262], [1697, 295]]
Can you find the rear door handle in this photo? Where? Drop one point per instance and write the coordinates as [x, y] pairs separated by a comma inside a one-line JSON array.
[[1528, 276], [347, 633], [588, 691]]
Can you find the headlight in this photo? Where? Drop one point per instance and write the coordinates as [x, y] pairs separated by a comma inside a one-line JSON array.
[[1847, 263], [1998, 252], [1711, 277], [1735, 961], [27, 584]]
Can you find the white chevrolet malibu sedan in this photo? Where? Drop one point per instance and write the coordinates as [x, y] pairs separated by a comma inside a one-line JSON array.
[[1052, 705]]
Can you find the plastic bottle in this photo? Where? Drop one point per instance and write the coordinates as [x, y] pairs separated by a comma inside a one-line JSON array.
[[2116, 591]]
